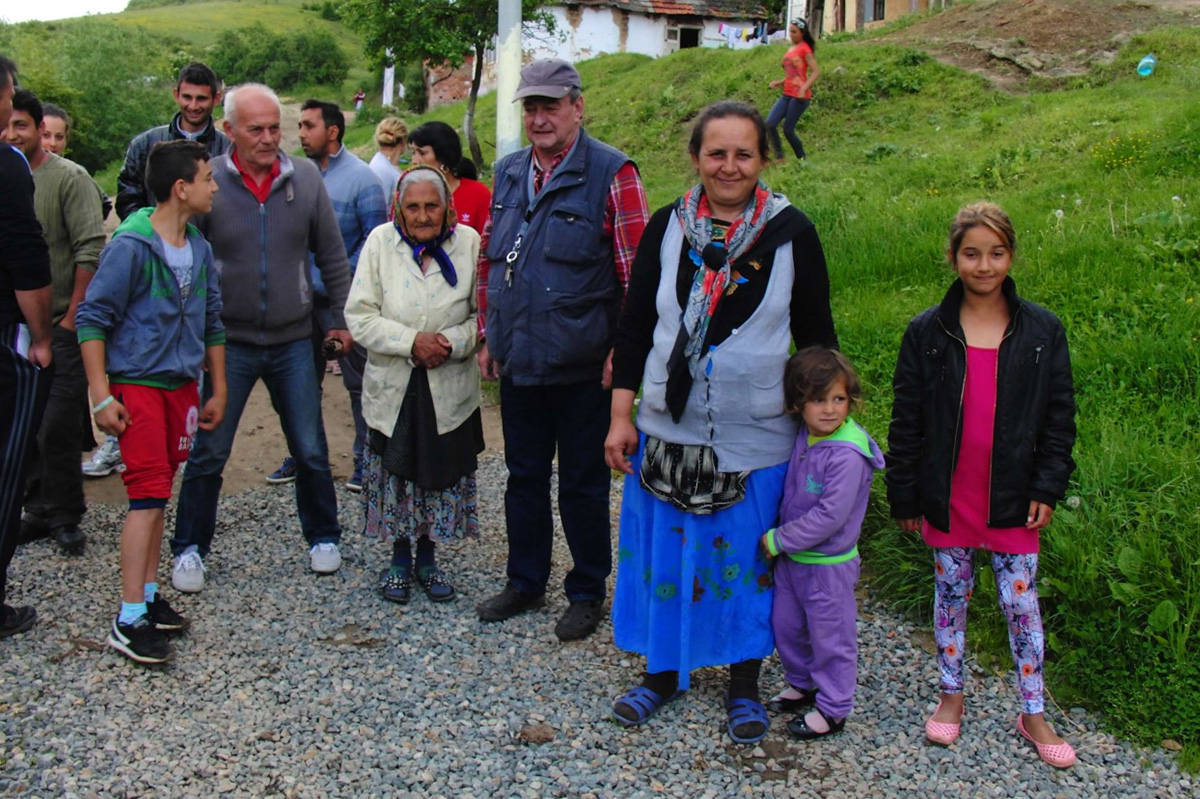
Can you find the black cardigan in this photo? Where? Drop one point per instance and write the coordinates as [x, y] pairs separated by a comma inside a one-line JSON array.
[[1035, 413], [811, 318]]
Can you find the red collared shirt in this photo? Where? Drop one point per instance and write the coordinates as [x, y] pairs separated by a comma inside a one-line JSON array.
[[260, 191], [625, 217]]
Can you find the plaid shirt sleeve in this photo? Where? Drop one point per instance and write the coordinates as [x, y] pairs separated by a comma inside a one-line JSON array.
[[481, 276], [625, 218]]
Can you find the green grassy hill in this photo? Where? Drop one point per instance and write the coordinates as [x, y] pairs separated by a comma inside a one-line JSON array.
[[113, 72], [199, 22], [1102, 178]]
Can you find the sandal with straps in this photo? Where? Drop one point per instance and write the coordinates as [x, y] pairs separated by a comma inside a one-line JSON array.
[[433, 581], [746, 711], [643, 702], [396, 586], [785, 704]]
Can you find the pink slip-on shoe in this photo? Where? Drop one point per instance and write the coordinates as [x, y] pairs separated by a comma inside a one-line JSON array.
[[1058, 755], [941, 733]]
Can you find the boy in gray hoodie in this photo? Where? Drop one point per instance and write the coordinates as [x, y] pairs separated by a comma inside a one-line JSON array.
[[150, 324], [814, 614]]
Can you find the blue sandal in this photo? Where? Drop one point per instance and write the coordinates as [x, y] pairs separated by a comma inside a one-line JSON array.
[[642, 701], [746, 711]]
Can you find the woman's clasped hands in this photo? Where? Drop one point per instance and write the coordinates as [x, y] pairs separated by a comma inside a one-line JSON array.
[[430, 350]]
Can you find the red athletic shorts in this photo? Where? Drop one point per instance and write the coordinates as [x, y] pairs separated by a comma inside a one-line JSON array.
[[162, 426]]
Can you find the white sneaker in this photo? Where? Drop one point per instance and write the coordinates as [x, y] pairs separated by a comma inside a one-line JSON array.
[[325, 558], [105, 460], [188, 575]]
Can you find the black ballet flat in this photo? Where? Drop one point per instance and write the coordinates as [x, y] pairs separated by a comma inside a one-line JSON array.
[[801, 731]]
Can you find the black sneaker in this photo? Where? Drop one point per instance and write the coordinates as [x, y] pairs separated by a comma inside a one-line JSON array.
[[581, 620], [16, 620], [140, 641], [164, 616], [508, 603]]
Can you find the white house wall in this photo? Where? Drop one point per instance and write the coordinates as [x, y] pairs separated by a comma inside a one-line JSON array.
[[586, 32]]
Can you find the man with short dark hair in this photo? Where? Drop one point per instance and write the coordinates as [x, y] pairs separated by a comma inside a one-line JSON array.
[[567, 215], [272, 211], [197, 91], [26, 353], [66, 207], [360, 206]]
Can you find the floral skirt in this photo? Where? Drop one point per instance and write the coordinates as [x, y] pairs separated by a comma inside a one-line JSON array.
[[396, 507], [695, 590]]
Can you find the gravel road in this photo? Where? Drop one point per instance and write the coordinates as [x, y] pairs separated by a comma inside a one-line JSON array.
[[302, 686]]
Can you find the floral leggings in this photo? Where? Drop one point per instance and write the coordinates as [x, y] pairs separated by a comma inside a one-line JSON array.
[[954, 580]]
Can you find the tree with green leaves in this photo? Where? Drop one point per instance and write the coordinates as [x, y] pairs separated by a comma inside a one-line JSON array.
[[436, 31]]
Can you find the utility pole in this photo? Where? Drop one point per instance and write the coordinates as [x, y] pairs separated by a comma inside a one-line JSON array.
[[508, 77]]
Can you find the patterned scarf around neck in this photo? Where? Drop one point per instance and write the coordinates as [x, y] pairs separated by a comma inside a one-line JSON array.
[[432, 247], [713, 262]]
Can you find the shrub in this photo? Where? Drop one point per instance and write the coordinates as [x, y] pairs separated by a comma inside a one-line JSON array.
[[253, 53]]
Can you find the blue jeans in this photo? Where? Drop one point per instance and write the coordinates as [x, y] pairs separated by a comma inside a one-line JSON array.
[[287, 371], [786, 110], [537, 420]]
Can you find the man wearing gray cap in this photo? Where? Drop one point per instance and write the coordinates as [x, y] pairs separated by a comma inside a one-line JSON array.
[[567, 215]]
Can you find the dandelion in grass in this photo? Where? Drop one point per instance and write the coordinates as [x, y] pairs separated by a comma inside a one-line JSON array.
[[1073, 502]]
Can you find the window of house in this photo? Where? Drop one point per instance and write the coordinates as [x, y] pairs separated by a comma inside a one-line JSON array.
[[683, 36]]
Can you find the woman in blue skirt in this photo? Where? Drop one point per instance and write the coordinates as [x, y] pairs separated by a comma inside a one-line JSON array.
[[725, 279]]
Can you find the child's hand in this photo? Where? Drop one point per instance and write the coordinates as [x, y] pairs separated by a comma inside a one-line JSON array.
[[766, 550], [212, 413], [113, 418], [910, 525], [1039, 515]]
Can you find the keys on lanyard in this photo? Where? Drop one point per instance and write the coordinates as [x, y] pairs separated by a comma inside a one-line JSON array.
[[511, 259], [515, 252]]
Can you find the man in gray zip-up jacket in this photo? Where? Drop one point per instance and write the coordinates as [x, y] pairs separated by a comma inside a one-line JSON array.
[[270, 213]]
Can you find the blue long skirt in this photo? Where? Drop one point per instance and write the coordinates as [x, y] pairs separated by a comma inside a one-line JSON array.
[[695, 591]]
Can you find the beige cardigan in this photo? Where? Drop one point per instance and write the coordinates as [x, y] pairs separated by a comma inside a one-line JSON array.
[[390, 301]]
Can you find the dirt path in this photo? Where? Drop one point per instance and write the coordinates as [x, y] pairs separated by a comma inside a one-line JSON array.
[[260, 446]]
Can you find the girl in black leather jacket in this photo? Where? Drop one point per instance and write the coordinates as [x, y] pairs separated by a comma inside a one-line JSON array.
[[983, 422]]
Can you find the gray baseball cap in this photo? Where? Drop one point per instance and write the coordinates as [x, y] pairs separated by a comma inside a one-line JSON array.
[[549, 77]]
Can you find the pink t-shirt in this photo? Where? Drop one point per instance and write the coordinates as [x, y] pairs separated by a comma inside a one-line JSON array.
[[795, 70], [969, 487]]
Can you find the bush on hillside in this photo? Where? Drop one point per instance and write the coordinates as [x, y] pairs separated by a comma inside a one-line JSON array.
[[113, 81], [253, 53]]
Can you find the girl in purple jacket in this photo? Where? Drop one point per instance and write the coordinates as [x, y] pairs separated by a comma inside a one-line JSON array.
[[824, 501]]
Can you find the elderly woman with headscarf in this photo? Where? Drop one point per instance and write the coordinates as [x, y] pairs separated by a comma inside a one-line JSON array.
[[412, 305]]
